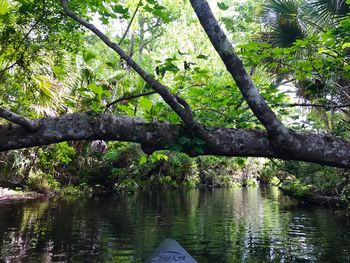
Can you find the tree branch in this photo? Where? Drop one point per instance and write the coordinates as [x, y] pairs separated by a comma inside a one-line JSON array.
[[8, 67], [162, 90], [322, 149], [183, 103], [129, 25], [28, 124], [234, 65]]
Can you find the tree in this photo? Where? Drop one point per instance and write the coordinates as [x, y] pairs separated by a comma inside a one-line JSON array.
[[276, 141]]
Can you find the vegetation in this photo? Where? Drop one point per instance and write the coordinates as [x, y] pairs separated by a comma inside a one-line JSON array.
[[138, 97]]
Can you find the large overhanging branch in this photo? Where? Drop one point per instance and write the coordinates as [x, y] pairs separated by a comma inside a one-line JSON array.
[[235, 67], [173, 101], [159, 135]]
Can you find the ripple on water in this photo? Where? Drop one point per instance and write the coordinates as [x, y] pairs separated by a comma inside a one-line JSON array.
[[220, 225]]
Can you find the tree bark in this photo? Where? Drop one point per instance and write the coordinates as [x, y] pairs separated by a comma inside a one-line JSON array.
[[154, 136]]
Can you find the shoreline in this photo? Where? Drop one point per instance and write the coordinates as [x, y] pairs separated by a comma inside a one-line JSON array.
[[8, 195]]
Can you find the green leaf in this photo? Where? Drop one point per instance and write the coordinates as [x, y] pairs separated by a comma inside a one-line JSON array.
[[222, 6], [143, 159], [159, 156], [181, 53], [121, 10], [127, 109], [146, 104], [96, 107], [184, 140], [199, 141], [229, 24], [5, 7], [176, 148], [88, 55], [198, 150], [201, 56], [112, 64]]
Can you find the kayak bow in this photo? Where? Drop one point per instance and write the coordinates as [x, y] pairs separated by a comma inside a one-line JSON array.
[[170, 251]]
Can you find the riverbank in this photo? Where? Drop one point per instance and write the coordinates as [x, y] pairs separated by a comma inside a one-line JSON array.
[[14, 195], [315, 198]]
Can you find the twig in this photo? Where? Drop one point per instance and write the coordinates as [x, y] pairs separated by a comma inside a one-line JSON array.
[[130, 97], [9, 67], [129, 25]]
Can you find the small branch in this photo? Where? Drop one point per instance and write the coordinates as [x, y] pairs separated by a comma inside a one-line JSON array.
[[29, 124], [148, 40], [314, 105], [132, 45], [141, 37], [129, 25], [183, 103], [130, 97], [9, 67], [156, 24]]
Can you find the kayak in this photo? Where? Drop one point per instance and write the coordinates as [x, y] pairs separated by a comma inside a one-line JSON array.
[[170, 251]]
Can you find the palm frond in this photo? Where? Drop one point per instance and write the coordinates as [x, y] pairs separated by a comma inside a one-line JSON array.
[[285, 33], [5, 7], [274, 9], [283, 17], [325, 12]]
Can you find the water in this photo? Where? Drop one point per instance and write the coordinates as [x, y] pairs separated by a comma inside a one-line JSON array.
[[220, 225]]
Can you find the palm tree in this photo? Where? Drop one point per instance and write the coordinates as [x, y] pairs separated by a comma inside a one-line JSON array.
[[290, 20], [327, 12], [283, 20]]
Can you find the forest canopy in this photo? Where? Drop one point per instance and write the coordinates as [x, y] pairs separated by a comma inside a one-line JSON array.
[[232, 78]]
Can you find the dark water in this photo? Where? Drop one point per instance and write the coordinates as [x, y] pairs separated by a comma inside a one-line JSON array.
[[221, 225]]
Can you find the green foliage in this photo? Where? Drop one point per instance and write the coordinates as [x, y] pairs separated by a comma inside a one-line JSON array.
[[195, 145], [305, 180], [43, 183], [297, 189], [222, 6], [50, 66], [54, 155]]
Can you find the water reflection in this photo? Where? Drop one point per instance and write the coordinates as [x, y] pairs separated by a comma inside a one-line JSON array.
[[220, 225]]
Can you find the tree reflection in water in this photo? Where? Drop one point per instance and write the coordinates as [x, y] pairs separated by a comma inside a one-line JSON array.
[[219, 225]]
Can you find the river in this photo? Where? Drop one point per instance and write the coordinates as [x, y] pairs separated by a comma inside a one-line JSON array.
[[218, 225]]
